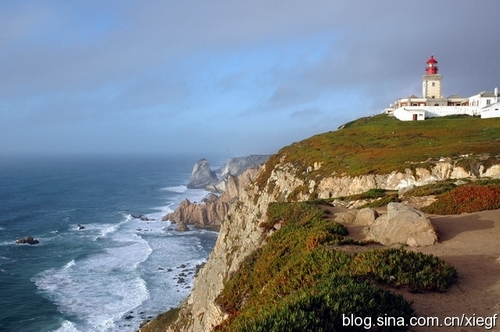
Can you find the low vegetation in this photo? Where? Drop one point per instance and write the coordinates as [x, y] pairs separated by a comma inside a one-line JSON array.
[[467, 198], [432, 189], [300, 281], [382, 144], [161, 321]]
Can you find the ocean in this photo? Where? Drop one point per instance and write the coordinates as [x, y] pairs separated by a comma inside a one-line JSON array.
[[97, 267]]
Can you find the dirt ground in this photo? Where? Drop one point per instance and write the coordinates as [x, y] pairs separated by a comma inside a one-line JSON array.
[[471, 243]]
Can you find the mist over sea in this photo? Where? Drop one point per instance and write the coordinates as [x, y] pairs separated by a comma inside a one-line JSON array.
[[116, 271]]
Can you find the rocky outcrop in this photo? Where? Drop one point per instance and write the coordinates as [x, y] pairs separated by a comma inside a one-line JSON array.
[[182, 227], [28, 240], [403, 225], [202, 175], [210, 213], [236, 166], [288, 178]]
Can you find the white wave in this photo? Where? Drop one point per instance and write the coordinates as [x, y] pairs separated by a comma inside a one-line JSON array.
[[176, 189], [67, 326], [95, 231], [102, 288], [70, 264]]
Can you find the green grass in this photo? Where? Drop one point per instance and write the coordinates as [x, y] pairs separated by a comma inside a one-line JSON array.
[[382, 144], [436, 188], [300, 281]]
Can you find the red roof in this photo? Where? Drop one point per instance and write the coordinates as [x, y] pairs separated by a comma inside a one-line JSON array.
[[432, 60]]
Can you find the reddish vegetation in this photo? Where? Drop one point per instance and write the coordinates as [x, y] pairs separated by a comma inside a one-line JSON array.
[[468, 198]]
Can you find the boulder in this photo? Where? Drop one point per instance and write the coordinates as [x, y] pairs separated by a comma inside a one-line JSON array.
[[366, 217], [346, 216], [403, 225], [28, 240], [202, 176]]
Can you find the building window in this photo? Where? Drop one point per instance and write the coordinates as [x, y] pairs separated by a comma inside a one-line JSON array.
[[487, 101], [433, 83]]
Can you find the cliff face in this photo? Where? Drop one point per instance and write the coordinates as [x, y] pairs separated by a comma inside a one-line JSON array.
[[240, 233]]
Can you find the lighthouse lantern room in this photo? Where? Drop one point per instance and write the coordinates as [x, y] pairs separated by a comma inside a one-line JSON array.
[[431, 81], [431, 66]]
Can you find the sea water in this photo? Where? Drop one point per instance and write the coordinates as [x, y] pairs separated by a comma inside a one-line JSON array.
[[97, 267]]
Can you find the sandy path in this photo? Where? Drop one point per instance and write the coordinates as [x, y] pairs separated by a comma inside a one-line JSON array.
[[471, 243]]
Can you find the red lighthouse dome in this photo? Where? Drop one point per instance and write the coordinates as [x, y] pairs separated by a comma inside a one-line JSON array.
[[431, 66]]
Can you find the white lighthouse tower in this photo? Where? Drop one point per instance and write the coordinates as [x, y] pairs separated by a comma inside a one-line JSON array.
[[431, 81]]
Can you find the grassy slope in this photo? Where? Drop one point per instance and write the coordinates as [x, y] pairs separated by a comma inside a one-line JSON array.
[[382, 144]]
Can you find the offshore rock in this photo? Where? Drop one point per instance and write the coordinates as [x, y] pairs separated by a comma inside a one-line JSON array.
[[28, 240], [202, 175], [403, 225]]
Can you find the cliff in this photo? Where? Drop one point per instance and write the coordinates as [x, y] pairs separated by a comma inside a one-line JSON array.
[[240, 234], [367, 154]]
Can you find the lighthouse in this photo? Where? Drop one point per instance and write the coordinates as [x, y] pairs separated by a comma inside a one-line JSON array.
[[431, 81]]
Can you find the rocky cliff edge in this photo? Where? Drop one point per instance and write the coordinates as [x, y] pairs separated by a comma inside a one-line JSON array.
[[240, 233]]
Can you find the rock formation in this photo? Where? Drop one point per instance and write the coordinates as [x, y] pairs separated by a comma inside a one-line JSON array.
[[403, 225], [212, 211], [202, 175], [27, 240]]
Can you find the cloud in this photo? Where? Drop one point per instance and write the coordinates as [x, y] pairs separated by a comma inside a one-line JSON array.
[[208, 67]]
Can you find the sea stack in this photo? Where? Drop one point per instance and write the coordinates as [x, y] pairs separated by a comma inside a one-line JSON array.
[[202, 175]]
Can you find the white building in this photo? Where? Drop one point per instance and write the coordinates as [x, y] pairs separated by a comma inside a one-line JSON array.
[[432, 104]]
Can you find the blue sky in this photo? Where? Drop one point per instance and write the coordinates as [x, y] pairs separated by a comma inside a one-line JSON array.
[[231, 77]]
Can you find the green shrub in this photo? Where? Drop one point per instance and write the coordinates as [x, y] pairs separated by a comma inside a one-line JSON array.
[[416, 271], [437, 188], [383, 201], [322, 308]]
